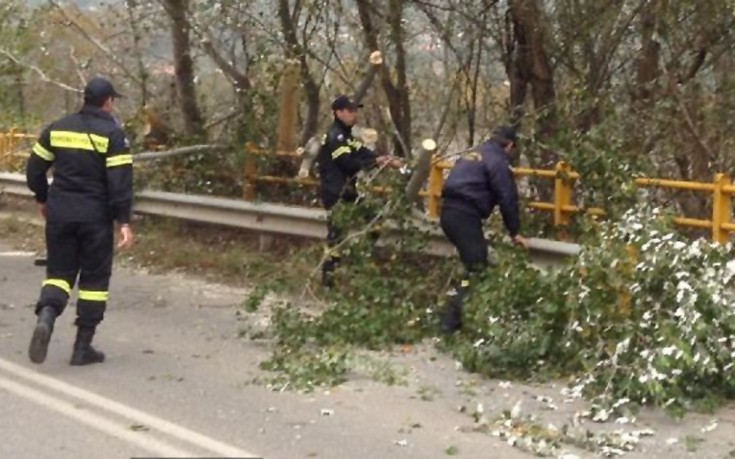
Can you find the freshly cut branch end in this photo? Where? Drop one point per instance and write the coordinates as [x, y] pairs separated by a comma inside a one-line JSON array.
[[376, 58], [369, 136], [428, 144]]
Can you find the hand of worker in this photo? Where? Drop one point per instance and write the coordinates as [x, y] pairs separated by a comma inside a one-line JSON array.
[[42, 209], [126, 237], [389, 161], [521, 241]]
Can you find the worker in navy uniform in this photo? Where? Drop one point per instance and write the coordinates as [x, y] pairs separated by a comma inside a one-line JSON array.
[[92, 188], [480, 180], [341, 157]]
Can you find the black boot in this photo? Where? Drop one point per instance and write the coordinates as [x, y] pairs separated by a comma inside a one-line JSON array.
[[328, 269], [42, 334], [84, 353], [452, 317]]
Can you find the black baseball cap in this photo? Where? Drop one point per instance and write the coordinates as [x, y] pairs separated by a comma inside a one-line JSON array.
[[344, 103], [507, 133], [99, 89]]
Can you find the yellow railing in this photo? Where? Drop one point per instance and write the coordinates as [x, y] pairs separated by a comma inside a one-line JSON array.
[[12, 146], [562, 207], [253, 177]]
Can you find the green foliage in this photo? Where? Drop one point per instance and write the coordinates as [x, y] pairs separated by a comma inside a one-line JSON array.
[[15, 32], [508, 306], [385, 292], [607, 165], [452, 451], [527, 434], [256, 297], [209, 173], [641, 316]]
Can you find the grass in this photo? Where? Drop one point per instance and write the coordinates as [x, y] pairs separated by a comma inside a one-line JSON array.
[[22, 234], [381, 370], [219, 254]]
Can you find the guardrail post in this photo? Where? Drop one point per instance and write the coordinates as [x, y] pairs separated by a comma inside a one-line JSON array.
[[436, 182], [12, 140], [721, 209], [249, 192], [562, 193], [3, 150]]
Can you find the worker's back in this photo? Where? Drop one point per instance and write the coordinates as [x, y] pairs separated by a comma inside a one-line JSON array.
[[82, 147]]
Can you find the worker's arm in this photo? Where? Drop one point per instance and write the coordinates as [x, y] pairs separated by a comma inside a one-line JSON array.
[[350, 157], [41, 159], [120, 177], [368, 158], [503, 185]]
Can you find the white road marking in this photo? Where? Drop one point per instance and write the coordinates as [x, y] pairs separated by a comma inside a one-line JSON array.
[[115, 430], [151, 421], [17, 254]]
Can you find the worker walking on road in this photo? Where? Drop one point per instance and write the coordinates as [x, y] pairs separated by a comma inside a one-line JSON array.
[[480, 180], [340, 159], [92, 188]]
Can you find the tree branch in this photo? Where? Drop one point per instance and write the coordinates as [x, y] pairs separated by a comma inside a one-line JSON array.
[[39, 72], [153, 155], [98, 44]]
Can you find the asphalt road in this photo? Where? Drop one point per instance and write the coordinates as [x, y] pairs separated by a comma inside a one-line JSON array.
[[178, 383]]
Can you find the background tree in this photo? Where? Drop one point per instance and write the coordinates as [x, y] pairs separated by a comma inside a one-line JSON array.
[[632, 86]]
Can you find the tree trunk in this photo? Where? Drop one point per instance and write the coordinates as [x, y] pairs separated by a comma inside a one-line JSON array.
[[294, 50], [404, 101], [132, 5], [398, 97], [530, 33], [311, 122], [475, 83], [515, 70], [184, 67], [648, 70]]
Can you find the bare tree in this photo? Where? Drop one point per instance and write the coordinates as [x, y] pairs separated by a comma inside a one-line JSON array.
[[295, 50], [396, 92], [184, 66], [533, 67]]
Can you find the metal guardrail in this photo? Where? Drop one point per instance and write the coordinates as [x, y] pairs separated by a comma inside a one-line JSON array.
[[722, 223], [14, 184], [277, 219], [270, 218]]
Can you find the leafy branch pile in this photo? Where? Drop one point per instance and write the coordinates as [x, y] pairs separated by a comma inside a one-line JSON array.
[[642, 316], [528, 434], [385, 294]]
